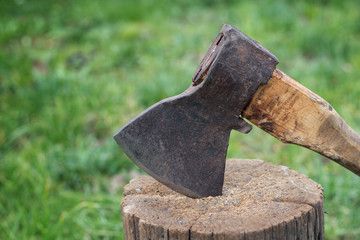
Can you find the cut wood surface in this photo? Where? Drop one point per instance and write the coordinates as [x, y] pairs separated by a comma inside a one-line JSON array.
[[293, 114], [260, 201]]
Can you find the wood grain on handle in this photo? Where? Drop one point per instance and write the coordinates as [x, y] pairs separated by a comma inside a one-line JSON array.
[[293, 114]]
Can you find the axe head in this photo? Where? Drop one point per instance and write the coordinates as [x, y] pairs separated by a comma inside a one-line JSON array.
[[182, 141]]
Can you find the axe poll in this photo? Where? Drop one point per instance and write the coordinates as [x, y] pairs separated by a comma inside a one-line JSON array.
[[182, 141]]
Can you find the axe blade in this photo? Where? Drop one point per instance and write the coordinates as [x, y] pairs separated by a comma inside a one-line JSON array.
[[182, 141], [167, 141]]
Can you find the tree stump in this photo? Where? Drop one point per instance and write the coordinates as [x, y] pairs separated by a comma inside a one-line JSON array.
[[260, 201]]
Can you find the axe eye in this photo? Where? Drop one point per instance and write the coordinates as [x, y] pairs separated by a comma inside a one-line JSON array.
[[205, 64]]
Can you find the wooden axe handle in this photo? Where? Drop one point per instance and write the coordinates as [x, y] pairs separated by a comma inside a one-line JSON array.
[[293, 114]]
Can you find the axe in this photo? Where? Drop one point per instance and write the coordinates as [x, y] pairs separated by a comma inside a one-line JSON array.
[[182, 141]]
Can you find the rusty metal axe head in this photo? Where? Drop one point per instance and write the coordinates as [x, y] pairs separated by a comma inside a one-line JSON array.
[[182, 141]]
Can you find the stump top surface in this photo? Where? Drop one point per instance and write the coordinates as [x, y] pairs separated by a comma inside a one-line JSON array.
[[256, 196]]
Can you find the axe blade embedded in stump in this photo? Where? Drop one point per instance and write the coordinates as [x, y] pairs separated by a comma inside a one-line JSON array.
[[182, 141]]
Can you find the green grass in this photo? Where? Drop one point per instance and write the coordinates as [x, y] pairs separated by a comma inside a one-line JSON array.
[[73, 72]]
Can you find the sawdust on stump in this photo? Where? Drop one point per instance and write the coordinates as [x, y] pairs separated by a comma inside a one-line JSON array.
[[260, 201]]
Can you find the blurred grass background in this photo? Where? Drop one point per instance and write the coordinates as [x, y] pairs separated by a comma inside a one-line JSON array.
[[73, 72]]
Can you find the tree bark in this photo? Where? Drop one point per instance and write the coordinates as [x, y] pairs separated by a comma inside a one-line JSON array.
[[260, 201]]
